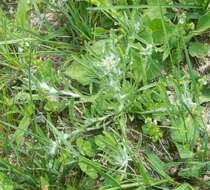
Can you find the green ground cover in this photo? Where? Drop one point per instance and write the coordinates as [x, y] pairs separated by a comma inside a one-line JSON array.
[[104, 95]]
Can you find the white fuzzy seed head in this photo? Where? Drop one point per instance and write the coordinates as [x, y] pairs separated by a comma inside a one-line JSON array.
[[53, 148], [137, 26], [188, 101], [20, 50], [182, 18], [46, 87], [110, 62], [148, 50]]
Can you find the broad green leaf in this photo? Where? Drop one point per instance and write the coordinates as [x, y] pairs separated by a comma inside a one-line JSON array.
[[79, 73], [22, 128], [5, 182], [90, 171], [158, 34], [184, 151], [203, 23], [193, 125], [100, 141], [22, 97], [105, 140], [146, 34], [101, 47], [86, 147], [194, 170], [199, 50], [154, 10], [154, 66], [53, 106], [178, 133], [185, 131]]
